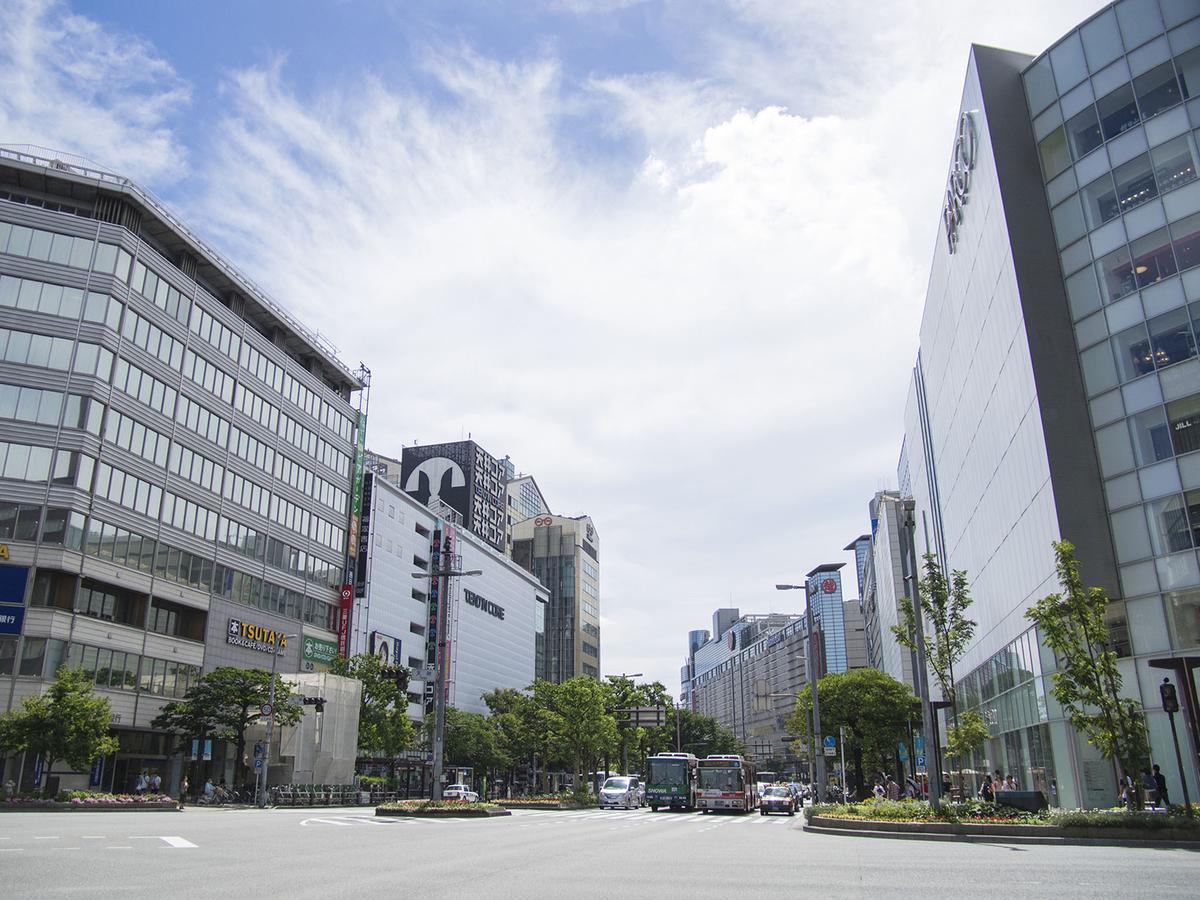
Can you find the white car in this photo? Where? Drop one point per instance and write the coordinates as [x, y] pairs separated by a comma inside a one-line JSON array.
[[620, 791], [460, 792]]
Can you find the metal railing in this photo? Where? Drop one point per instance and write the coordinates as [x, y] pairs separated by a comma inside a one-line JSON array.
[[32, 154]]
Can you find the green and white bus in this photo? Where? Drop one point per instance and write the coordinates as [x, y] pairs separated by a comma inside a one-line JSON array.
[[671, 781]]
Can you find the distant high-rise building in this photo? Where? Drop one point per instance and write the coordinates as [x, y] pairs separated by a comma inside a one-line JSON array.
[[525, 501], [564, 553], [462, 483], [882, 587]]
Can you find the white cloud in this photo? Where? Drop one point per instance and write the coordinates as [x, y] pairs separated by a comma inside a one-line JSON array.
[[68, 83], [705, 346]]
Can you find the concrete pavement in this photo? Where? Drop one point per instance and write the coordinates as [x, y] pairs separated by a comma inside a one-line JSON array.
[[348, 853]]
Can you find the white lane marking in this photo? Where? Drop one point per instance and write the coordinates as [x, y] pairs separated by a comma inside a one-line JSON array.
[[178, 843], [100, 837], [12, 849], [350, 821], [46, 837], [324, 822], [120, 847], [66, 848]]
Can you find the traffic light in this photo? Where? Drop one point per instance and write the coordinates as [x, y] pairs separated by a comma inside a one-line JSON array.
[[1170, 699], [318, 702]]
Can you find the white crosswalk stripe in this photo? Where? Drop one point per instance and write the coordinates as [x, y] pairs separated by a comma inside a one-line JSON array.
[[627, 819]]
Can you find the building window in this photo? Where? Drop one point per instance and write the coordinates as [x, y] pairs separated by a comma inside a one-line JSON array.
[[1184, 418], [1156, 90], [1118, 111]]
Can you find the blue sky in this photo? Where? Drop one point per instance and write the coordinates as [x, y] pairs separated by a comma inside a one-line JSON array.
[[670, 256]]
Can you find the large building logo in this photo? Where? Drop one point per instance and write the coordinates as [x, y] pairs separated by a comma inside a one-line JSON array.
[[438, 479], [958, 186]]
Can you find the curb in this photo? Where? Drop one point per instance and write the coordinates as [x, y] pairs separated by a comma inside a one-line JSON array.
[[90, 809]]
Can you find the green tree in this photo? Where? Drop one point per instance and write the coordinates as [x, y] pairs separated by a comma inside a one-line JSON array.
[[470, 740], [384, 728], [515, 720], [1087, 682], [873, 707], [223, 704], [944, 605], [579, 728], [69, 722], [698, 734], [966, 737]]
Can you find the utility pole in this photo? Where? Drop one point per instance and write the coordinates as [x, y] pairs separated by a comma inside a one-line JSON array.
[[908, 541]]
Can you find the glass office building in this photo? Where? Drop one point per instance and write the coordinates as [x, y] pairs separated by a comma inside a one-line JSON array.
[[175, 457], [1057, 387]]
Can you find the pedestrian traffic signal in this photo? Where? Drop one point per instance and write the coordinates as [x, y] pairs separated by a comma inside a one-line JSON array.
[[1170, 699]]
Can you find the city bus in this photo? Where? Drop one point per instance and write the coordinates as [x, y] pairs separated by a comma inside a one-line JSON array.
[[726, 782], [671, 781]]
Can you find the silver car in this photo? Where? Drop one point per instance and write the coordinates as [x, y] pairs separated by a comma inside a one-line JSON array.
[[620, 791]]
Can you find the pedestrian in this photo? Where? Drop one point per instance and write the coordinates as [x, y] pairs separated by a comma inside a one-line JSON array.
[[143, 782], [1160, 784], [183, 789], [987, 793], [155, 783], [893, 789], [1010, 783], [1128, 792], [1149, 788]]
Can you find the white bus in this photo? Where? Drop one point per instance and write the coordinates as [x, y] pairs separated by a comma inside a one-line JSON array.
[[726, 782]]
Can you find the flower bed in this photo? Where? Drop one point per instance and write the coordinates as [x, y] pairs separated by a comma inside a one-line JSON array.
[[977, 812], [979, 817], [87, 801], [440, 808], [538, 801]]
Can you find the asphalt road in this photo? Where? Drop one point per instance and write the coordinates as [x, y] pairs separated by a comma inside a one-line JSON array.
[[348, 853]]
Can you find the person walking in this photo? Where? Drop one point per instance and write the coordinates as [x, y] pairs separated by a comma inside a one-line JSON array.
[[1128, 793], [183, 789], [155, 783], [879, 792], [1160, 785], [1149, 788], [892, 788], [987, 792], [143, 782]]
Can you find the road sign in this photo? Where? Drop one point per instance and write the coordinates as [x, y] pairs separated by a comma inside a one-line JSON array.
[[831, 751], [266, 709], [258, 765], [903, 752], [830, 742], [919, 743], [920, 762]]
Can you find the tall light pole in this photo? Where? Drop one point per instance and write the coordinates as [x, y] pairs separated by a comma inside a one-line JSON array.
[[816, 742], [441, 667], [260, 780], [624, 743], [908, 554]]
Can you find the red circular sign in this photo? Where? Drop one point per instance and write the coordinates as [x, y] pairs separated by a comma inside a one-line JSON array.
[[829, 585]]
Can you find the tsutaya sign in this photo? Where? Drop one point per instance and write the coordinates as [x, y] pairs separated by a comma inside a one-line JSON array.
[[255, 637], [962, 162]]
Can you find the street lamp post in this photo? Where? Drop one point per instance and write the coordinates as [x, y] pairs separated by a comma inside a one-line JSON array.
[[441, 665], [260, 780], [815, 742]]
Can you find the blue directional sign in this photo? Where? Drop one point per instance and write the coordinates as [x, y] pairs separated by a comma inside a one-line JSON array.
[[903, 752], [830, 740], [919, 743]]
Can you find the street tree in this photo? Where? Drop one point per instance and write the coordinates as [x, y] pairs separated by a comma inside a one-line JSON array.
[[223, 704], [873, 707], [384, 728], [471, 740], [578, 723], [966, 737], [698, 734], [944, 605], [514, 717], [1087, 682], [69, 722]]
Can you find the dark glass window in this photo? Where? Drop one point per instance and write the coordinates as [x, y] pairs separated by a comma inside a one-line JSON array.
[[1135, 182], [1153, 259], [1183, 417], [1188, 65], [1118, 111], [1156, 90], [1186, 234], [1171, 338], [1100, 201], [1132, 350], [1083, 132], [1174, 163], [32, 655]]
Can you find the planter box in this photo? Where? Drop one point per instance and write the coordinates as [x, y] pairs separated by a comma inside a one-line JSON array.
[[442, 813], [516, 804], [1121, 835]]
